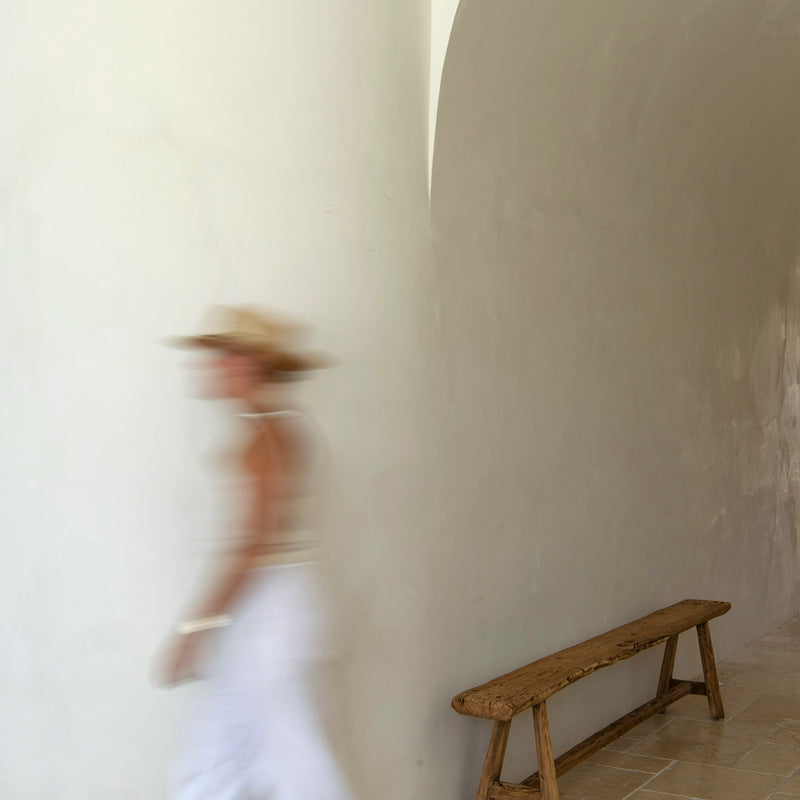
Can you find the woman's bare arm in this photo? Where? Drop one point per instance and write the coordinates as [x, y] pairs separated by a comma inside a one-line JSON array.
[[263, 468]]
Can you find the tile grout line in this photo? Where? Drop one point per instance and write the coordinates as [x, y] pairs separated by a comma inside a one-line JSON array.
[[649, 780], [796, 772], [756, 746], [631, 769]]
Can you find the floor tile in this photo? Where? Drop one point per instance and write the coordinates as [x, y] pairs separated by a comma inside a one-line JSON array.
[[598, 782], [791, 786], [623, 744], [629, 761], [650, 725], [714, 783], [738, 693], [771, 709], [644, 794], [787, 732], [776, 759], [695, 706], [702, 742]]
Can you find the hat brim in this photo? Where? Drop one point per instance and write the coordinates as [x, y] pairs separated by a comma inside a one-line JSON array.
[[282, 360]]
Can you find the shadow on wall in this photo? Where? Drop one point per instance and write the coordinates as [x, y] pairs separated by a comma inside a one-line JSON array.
[[617, 245]]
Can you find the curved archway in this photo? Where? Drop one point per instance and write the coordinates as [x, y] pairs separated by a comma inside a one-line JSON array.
[[616, 197], [443, 14]]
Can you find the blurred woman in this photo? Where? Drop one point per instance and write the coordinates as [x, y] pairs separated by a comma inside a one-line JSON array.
[[256, 733]]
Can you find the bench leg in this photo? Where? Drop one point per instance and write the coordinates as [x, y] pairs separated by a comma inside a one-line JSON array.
[[544, 753], [710, 672], [667, 665], [493, 764]]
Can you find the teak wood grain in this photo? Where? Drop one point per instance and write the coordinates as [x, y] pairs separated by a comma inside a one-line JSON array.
[[493, 763], [544, 753], [667, 665], [514, 791], [506, 696], [710, 672]]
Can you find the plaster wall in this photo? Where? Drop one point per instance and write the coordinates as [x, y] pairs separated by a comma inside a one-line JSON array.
[[615, 204], [157, 157]]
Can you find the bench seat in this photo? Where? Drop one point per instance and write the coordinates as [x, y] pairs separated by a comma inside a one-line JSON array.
[[505, 697]]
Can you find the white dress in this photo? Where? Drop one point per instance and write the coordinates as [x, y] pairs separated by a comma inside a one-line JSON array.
[[256, 733]]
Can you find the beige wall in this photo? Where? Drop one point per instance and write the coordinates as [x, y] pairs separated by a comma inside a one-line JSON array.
[[616, 204], [583, 407]]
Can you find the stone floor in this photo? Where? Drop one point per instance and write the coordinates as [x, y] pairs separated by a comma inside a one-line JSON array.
[[753, 754]]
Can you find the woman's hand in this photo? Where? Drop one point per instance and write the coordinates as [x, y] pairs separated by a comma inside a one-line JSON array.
[[180, 660]]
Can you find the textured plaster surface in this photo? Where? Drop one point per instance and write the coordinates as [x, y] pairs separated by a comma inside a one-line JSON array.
[[155, 158], [615, 205]]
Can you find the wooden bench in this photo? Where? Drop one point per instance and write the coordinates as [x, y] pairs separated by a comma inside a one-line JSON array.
[[529, 687]]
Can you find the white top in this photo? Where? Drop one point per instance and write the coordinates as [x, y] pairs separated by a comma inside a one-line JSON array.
[[293, 543]]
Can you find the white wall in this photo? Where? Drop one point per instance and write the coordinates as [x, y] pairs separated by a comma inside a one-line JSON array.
[[157, 157], [616, 203]]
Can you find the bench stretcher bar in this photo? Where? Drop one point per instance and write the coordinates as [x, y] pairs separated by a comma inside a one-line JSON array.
[[597, 741]]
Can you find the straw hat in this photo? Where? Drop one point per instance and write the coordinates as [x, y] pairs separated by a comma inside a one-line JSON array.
[[259, 333]]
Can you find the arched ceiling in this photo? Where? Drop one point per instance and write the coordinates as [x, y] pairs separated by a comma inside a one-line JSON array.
[[690, 97]]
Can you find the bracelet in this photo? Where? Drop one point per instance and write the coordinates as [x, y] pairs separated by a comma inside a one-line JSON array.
[[203, 624]]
